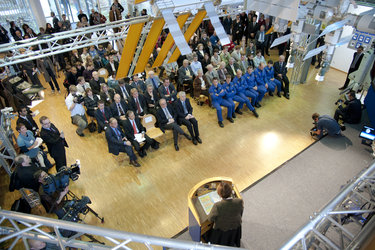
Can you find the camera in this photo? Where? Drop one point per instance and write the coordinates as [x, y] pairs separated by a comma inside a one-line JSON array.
[[60, 180], [339, 101], [313, 129], [79, 99]]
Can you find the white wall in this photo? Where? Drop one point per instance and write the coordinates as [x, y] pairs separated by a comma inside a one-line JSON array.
[[343, 55]]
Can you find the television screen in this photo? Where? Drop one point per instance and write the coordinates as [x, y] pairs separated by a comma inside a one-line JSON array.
[[367, 133]]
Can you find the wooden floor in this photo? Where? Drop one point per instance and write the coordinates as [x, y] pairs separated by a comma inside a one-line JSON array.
[[153, 199]]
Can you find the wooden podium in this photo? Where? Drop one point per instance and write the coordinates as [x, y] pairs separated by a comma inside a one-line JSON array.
[[200, 200]]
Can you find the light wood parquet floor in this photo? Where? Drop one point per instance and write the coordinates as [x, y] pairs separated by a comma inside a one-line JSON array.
[[153, 199]]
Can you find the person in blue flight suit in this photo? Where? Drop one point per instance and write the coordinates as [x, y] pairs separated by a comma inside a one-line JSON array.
[[272, 82], [256, 94], [261, 81], [233, 94], [217, 93]]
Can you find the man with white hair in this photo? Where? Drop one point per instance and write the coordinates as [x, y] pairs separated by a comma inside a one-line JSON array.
[[96, 82], [232, 67], [185, 75], [280, 74], [153, 79], [211, 73]]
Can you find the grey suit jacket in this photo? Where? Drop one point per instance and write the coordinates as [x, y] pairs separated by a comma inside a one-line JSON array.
[[227, 214], [211, 76]]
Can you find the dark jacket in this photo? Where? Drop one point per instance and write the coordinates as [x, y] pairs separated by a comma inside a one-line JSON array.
[[114, 143], [352, 111], [129, 131], [107, 99], [115, 111], [142, 102], [54, 142], [109, 68], [227, 214], [100, 117], [29, 123], [162, 119], [95, 85], [91, 104], [180, 109]]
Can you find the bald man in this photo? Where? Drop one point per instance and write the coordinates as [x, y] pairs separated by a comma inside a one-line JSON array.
[[280, 74]]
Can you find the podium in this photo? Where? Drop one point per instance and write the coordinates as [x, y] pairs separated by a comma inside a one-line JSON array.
[[200, 201]]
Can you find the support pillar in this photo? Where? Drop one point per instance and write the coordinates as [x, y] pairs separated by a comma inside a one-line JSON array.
[[37, 9]]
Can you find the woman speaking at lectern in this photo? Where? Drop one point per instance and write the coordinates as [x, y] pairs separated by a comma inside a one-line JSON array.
[[227, 217]]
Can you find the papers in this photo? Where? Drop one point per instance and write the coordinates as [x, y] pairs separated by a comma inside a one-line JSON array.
[[36, 112], [148, 119], [207, 201], [139, 137], [39, 141]]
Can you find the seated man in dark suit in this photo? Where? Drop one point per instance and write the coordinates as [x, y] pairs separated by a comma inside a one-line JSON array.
[[185, 75], [117, 142], [138, 84], [25, 117], [352, 112], [123, 89], [134, 126], [152, 99], [137, 103], [95, 82], [112, 66], [55, 141], [167, 91], [119, 109], [153, 79], [232, 67], [102, 115], [185, 116], [166, 118], [280, 75]]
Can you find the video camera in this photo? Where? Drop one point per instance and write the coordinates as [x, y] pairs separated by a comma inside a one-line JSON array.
[[79, 98], [75, 207], [315, 128], [339, 101], [60, 180]]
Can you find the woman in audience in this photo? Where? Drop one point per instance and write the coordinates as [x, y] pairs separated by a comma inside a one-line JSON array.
[[206, 61], [91, 102], [201, 88], [215, 59], [227, 218], [106, 94], [13, 29], [49, 29]]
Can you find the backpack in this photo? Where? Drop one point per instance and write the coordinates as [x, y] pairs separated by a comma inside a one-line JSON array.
[[21, 205], [92, 127]]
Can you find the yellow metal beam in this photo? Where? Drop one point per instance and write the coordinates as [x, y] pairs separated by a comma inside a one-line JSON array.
[[131, 42], [189, 33], [149, 44], [139, 1], [168, 43]]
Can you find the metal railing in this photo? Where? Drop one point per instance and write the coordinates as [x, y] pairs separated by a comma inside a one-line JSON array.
[[346, 221], [15, 226]]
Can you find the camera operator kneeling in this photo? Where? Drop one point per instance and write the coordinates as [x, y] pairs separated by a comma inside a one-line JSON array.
[[325, 124], [53, 200], [352, 112]]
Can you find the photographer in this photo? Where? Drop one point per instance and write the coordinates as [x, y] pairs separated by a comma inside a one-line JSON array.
[[325, 123], [74, 103], [352, 112]]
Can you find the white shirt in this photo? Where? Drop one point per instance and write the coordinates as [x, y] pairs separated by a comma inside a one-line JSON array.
[[195, 66], [78, 108], [81, 88]]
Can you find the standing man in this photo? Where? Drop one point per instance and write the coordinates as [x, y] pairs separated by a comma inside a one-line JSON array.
[[45, 65], [185, 117], [357, 59], [55, 141], [217, 93], [117, 142], [115, 15], [166, 117], [261, 39], [280, 75], [74, 103]]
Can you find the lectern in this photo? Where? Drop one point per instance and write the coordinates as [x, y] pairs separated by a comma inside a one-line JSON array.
[[201, 200]]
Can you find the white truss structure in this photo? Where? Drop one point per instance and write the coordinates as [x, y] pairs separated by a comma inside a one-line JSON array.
[[346, 222]]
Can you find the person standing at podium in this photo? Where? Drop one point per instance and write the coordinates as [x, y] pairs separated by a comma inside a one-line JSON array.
[[227, 218]]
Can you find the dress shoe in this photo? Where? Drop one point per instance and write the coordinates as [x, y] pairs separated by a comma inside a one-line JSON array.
[[257, 105], [144, 152], [231, 120], [198, 139], [176, 147], [135, 164], [140, 153], [187, 136], [317, 66], [238, 112], [156, 145], [278, 94], [268, 54], [221, 124], [286, 96], [195, 141], [270, 93], [255, 113], [80, 134], [234, 115], [342, 88]]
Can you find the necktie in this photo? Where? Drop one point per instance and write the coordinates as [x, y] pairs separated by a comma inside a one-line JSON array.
[[124, 92], [118, 134], [167, 89], [134, 127], [167, 114], [153, 82], [105, 118], [138, 106], [184, 106], [121, 111], [84, 88]]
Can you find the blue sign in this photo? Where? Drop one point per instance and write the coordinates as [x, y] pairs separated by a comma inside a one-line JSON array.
[[355, 36], [367, 39], [357, 45], [361, 38]]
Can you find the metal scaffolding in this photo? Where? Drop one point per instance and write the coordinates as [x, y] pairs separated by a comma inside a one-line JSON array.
[[346, 222]]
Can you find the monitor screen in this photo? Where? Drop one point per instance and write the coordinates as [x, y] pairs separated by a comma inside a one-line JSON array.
[[367, 133]]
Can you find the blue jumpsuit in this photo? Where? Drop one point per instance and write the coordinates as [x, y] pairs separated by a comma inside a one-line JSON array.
[[260, 79], [242, 91], [217, 94], [270, 73], [255, 95]]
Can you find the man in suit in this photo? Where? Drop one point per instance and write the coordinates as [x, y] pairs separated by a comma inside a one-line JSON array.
[[26, 118], [352, 112], [153, 79], [243, 63], [253, 28], [123, 89], [185, 75], [280, 75], [261, 39], [222, 72], [357, 59], [102, 115], [134, 126], [118, 110], [232, 67], [211, 73], [138, 84], [168, 91], [185, 117], [117, 142], [95, 82], [166, 117], [112, 66], [55, 141], [137, 103]]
